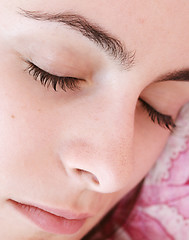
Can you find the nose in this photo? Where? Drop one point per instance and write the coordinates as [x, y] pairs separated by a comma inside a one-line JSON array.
[[97, 140], [104, 171], [100, 158]]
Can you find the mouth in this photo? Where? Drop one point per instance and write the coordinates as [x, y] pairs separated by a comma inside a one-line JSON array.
[[51, 220]]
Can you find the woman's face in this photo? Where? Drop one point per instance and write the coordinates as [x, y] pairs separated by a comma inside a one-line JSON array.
[[80, 151]]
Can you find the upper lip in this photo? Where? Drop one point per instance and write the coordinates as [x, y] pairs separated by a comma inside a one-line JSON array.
[[64, 213]]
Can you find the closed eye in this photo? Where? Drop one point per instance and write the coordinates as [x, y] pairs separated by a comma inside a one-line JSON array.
[[48, 79], [163, 120]]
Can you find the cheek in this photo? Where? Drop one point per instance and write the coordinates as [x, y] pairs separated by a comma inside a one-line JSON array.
[[19, 113], [14, 140]]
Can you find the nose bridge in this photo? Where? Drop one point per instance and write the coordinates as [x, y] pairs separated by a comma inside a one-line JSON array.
[[99, 155]]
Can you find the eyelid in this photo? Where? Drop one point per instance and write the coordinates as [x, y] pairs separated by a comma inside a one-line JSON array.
[[149, 105], [163, 120], [48, 79], [31, 64]]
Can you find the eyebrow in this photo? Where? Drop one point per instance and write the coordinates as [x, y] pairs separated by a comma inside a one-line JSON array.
[[112, 46], [182, 75]]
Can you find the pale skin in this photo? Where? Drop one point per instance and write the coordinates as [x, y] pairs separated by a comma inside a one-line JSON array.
[[83, 150]]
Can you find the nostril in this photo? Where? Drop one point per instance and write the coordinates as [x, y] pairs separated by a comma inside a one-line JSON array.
[[87, 175]]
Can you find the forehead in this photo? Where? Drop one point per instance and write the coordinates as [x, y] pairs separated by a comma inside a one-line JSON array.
[[156, 30]]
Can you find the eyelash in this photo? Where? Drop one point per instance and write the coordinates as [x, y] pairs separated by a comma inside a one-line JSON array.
[[72, 83], [48, 79], [163, 120]]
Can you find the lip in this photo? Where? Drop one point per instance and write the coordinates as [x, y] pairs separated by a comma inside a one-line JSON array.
[[52, 220]]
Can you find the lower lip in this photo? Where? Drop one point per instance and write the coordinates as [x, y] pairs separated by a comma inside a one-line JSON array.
[[49, 222]]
